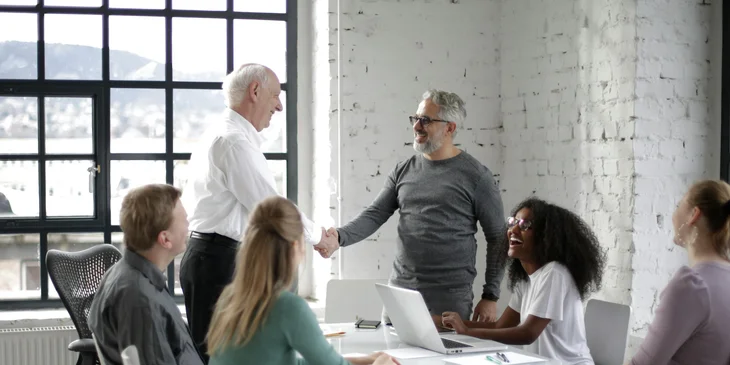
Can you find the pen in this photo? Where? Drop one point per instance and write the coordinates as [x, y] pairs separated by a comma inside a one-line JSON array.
[[494, 360], [502, 356], [334, 334]]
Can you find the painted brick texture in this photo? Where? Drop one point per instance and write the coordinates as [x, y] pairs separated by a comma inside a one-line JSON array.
[[673, 143], [601, 107]]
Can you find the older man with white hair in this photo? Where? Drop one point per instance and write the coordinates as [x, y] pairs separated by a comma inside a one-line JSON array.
[[228, 176], [441, 193]]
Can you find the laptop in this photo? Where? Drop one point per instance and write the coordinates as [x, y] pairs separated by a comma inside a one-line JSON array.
[[414, 326]]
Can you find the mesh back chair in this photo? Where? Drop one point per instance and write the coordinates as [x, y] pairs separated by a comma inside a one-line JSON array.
[[76, 277]]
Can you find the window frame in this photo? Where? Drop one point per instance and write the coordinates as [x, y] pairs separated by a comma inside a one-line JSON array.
[[101, 89], [725, 96]]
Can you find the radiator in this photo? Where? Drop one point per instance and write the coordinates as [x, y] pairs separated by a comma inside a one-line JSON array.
[[37, 346]]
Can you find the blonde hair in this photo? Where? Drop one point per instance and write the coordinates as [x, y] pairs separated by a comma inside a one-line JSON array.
[[264, 268], [147, 211], [712, 198]]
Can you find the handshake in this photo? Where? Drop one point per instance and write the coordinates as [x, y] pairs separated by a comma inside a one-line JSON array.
[[328, 244]]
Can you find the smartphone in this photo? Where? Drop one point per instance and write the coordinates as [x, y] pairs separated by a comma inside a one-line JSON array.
[[363, 323]]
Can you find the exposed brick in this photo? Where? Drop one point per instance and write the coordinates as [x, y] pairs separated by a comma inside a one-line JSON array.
[[601, 109]]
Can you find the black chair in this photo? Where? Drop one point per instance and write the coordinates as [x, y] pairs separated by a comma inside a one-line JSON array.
[[76, 277]]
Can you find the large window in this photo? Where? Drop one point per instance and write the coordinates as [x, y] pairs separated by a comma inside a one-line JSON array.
[[100, 96]]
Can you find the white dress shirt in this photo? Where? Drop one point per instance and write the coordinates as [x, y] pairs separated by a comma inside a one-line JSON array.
[[227, 176]]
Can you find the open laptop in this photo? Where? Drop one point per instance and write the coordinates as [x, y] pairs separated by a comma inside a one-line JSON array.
[[414, 325]]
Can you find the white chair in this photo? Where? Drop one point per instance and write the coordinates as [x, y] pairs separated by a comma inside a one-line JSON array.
[[130, 356], [351, 300], [607, 331]]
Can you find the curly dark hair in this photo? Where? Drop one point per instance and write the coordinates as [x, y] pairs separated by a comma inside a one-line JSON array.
[[560, 235]]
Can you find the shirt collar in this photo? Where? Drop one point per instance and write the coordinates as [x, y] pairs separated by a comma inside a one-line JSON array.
[[245, 126], [147, 268]]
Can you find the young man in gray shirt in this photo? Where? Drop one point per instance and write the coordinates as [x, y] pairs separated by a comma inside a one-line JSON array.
[[441, 194], [133, 305]]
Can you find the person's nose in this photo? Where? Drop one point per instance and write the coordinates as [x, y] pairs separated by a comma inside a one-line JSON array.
[[417, 126], [279, 107]]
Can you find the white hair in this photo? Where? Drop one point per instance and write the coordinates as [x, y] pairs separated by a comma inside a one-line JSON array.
[[236, 83], [451, 107]]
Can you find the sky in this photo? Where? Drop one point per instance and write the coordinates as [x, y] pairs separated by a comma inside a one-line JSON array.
[[199, 45]]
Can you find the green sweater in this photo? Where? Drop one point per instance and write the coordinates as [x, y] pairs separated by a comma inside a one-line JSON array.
[[289, 328]]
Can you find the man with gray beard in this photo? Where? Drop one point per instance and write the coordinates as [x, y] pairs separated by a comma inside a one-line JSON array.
[[441, 193]]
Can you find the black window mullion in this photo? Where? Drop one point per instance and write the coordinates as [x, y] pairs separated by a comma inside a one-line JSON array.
[[103, 134], [291, 101], [169, 127], [229, 37], [42, 261]]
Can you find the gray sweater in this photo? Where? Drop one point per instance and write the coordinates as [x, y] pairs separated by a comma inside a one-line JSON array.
[[440, 203]]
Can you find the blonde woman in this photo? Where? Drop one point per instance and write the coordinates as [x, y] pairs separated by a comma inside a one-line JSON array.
[[692, 323], [256, 319]]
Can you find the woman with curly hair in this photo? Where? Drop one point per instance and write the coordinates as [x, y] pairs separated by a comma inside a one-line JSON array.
[[556, 263]]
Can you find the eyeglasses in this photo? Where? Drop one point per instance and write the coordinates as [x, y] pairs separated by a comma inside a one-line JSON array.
[[522, 223], [424, 120]]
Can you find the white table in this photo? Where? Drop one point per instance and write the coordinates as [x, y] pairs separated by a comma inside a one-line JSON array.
[[366, 341]]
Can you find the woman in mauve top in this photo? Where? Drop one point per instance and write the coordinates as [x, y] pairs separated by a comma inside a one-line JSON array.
[[692, 323]]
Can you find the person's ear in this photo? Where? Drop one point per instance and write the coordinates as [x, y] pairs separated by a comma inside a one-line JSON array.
[[163, 239], [695, 215], [254, 90]]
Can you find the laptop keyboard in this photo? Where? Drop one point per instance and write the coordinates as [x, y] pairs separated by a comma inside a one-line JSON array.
[[451, 344]]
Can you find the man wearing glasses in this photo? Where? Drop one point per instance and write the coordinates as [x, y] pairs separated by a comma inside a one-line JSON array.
[[441, 193]]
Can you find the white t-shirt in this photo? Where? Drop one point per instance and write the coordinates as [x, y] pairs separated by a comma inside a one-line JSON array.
[[551, 293]]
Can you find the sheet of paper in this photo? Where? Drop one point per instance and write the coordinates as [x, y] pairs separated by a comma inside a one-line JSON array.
[[513, 357], [411, 353]]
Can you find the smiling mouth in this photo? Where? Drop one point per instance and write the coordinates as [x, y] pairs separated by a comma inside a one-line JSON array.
[[514, 241]]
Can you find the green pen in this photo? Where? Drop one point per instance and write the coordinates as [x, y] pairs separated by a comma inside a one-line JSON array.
[[494, 360]]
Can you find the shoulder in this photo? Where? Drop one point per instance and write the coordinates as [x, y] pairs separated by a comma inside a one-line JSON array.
[[405, 163], [687, 284], [473, 166], [556, 271], [403, 166], [289, 303], [124, 289]]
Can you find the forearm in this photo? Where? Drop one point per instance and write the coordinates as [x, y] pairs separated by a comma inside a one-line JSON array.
[[485, 325], [508, 336], [496, 256], [364, 225], [359, 360]]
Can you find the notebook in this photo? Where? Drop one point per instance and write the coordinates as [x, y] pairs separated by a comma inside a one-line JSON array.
[[513, 357]]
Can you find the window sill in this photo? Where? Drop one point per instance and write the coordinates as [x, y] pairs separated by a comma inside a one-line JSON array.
[[59, 317]]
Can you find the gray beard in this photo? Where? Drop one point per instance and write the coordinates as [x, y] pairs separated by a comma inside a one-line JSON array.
[[427, 147]]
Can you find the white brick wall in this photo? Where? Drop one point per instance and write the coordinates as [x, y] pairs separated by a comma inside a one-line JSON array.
[[674, 138], [567, 89], [602, 107], [389, 55]]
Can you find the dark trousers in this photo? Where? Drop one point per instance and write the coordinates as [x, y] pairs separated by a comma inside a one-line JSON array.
[[206, 268], [440, 300]]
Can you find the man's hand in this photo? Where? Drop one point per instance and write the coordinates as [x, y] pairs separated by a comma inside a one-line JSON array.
[[485, 311], [328, 244], [453, 320]]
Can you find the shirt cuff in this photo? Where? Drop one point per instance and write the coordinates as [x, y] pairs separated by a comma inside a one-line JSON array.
[[490, 296], [312, 232]]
